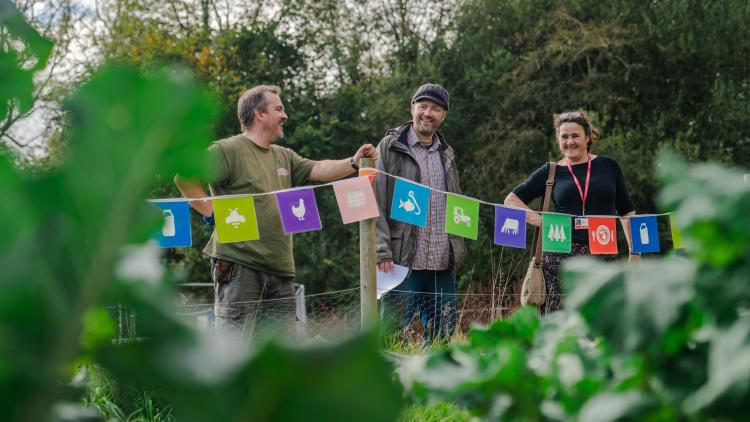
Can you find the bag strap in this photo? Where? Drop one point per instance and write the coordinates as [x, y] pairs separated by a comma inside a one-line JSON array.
[[544, 206]]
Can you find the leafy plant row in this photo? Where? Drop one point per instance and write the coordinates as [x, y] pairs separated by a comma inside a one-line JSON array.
[[664, 339]]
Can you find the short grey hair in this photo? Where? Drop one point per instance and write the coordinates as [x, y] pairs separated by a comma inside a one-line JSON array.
[[251, 100]]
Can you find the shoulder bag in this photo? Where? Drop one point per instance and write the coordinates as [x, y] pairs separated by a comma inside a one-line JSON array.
[[534, 290]]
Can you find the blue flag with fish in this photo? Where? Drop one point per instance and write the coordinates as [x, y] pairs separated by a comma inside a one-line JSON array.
[[411, 202]]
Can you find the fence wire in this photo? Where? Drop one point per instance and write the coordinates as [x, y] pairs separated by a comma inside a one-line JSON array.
[[336, 315]]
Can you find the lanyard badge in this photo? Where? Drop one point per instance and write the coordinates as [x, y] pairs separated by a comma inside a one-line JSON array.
[[585, 191]]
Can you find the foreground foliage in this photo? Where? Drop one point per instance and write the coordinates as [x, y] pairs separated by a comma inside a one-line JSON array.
[[665, 339], [76, 238]]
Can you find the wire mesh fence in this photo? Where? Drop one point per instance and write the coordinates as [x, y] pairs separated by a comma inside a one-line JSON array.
[[126, 321], [412, 317], [330, 315]]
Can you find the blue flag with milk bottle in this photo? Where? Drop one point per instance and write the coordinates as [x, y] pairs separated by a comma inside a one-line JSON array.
[[175, 230], [644, 234]]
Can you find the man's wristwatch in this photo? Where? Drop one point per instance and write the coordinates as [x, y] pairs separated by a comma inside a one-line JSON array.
[[353, 164]]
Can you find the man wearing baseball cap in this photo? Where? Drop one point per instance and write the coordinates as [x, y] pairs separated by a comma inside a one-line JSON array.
[[417, 151]]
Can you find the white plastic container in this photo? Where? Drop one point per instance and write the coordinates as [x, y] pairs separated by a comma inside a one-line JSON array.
[[644, 234], [168, 229]]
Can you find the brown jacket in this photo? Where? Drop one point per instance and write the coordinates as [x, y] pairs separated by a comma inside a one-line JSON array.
[[397, 240]]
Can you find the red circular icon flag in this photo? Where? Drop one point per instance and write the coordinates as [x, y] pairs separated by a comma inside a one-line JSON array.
[[602, 235]]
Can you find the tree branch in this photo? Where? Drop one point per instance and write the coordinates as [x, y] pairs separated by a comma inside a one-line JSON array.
[[12, 139], [177, 15]]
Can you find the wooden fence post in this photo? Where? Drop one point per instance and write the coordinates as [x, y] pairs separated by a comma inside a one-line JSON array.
[[367, 263]]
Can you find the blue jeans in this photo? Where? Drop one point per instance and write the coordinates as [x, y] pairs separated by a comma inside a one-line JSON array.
[[433, 294]]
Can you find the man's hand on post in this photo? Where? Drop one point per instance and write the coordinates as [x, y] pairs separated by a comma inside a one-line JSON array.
[[365, 151], [386, 266]]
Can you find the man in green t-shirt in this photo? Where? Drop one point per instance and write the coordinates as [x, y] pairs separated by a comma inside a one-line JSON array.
[[245, 273]]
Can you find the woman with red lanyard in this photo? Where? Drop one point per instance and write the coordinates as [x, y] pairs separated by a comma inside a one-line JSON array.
[[584, 184]]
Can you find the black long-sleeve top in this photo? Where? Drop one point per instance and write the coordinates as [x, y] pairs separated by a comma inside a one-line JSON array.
[[607, 192]]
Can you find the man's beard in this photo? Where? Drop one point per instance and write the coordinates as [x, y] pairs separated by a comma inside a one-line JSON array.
[[278, 132], [424, 131]]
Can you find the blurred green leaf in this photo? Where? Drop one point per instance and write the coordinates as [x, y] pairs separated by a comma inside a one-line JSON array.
[[728, 384], [572, 364], [616, 407], [522, 325], [98, 328], [710, 204], [70, 225], [648, 298], [492, 379], [557, 333]]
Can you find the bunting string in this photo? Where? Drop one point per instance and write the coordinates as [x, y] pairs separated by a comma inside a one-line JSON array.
[[241, 195], [503, 205], [236, 219], [298, 188]]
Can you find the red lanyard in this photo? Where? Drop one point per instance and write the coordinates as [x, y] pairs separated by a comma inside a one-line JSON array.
[[585, 192]]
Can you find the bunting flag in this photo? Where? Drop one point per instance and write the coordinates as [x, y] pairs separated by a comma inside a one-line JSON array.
[[410, 203], [644, 234], [298, 211], [462, 216], [510, 227], [175, 231], [556, 233], [235, 219], [676, 234], [602, 235], [356, 199]]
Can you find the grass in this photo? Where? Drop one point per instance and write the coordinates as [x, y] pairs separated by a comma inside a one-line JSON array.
[[126, 404], [441, 411], [405, 345]]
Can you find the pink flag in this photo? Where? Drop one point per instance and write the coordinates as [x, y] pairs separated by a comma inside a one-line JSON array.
[[356, 199]]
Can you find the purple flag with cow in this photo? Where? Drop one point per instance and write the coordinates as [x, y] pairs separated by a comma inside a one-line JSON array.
[[510, 227]]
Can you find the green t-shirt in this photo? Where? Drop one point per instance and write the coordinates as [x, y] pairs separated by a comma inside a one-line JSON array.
[[244, 167]]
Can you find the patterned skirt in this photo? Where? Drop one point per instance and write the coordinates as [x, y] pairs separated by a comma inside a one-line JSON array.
[[551, 263]]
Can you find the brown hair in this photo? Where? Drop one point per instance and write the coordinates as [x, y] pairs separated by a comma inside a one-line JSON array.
[[580, 118], [251, 100]]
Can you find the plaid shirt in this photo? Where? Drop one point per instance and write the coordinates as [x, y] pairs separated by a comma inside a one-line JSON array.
[[432, 247]]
